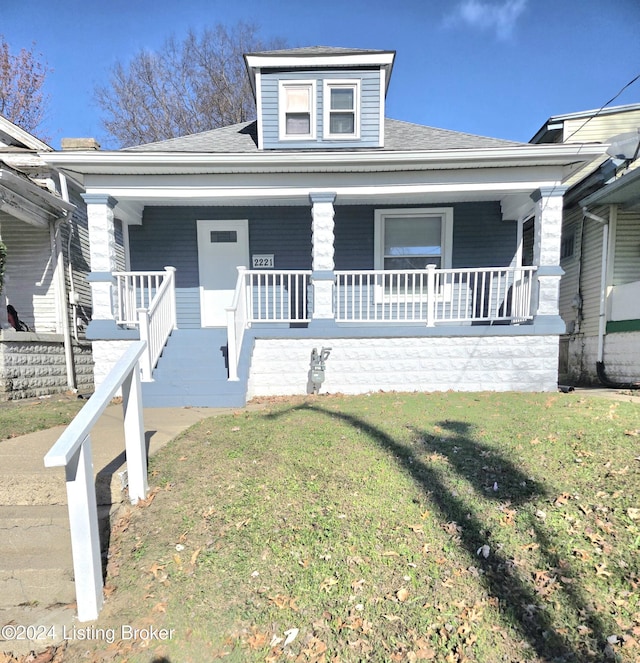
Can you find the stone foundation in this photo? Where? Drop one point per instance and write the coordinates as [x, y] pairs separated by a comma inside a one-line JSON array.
[[621, 358], [33, 365], [360, 365]]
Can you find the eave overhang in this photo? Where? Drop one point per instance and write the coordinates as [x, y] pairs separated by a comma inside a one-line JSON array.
[[176, 163], [260, 61], [625, 191], [26, 201]]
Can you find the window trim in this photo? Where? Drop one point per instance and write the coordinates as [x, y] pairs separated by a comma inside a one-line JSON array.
[[446, 230], [310, 85], [328, 85], [446, 242]]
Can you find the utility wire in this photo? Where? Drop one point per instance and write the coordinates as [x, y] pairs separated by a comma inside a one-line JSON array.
[[591, 117]]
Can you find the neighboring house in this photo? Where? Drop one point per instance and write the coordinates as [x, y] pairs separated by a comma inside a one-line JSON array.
[[43, 225], [600, 250], [398, 246]]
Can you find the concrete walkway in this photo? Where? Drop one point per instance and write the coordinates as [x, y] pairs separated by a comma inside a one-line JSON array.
[[36, 576]]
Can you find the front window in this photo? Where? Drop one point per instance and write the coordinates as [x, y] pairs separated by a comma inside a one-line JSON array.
[[341, 109], [297, 117], [408, 239]]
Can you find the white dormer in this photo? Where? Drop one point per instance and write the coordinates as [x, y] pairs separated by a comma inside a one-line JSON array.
[[320, 97]]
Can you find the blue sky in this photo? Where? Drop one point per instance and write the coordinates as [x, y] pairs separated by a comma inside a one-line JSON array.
[[490, 67]]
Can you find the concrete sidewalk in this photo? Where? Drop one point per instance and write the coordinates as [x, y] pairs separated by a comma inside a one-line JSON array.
[[25, 480], [36, 576]]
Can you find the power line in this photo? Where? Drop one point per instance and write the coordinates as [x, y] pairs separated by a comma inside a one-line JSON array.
[[591, 117]]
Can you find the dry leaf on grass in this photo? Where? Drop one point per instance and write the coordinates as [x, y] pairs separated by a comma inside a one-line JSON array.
[[402, 594]]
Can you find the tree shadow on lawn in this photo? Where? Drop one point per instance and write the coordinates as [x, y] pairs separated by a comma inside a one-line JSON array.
[[481, 466]]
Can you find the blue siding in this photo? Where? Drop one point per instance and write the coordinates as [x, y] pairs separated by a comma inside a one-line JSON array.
[[168, 236], [480, 237], [369, 108]]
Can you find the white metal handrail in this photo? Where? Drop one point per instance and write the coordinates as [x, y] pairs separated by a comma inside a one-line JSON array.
[[157, 322], [264, 296], [73, 452], [432, 296], [236, 324]]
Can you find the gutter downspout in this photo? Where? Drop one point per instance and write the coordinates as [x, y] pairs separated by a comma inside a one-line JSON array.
[[602, 316], [62, 289]]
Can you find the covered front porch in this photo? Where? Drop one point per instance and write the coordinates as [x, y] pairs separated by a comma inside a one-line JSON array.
[[437, 272], [307, 309]]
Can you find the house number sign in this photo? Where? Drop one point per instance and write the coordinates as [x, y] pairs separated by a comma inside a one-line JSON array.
[[263, 261]]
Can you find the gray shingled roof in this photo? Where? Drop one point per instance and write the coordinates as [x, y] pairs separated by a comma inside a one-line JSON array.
[[399, 136]]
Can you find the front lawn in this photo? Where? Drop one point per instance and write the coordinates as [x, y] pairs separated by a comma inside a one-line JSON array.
[[29, 415], [389, 527]]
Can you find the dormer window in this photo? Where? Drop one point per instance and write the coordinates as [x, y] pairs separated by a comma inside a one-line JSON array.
[[297, 105], [341, 109]]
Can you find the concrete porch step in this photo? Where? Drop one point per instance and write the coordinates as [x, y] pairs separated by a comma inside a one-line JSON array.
[[35, 563], [192, 373]]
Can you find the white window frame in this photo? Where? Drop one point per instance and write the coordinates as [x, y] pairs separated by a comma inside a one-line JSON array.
[[283, 86], [446, 238], [353, 84]]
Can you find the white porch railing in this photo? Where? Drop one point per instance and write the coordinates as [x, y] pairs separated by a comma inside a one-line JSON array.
[[73, 452], [264, 296], [135, 290], [147, 300], [430, 296], [277, 296], [435, 296], [236, 324]]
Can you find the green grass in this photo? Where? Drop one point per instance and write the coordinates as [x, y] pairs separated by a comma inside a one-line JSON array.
[[361, 523], [30, 415]]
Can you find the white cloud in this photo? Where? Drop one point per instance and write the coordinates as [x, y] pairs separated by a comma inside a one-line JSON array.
[[500, 17]]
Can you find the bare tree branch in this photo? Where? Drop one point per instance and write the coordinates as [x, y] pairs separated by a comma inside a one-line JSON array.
[[22, 77], [188, 86]]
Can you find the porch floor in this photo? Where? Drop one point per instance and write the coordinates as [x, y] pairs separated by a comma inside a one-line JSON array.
[[192, 372]]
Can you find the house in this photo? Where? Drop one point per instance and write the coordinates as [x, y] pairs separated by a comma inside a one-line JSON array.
[[600, 249], [43, 225], [324, 233]]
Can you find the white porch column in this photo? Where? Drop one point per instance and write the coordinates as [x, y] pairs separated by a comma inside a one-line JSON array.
[[103, 259], [546, 251], [322, 278]]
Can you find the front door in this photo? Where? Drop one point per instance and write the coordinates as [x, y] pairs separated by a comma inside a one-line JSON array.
[[222, 247]]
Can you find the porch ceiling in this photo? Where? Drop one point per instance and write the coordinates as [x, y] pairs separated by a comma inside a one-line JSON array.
[[511, 187], [514, 205]]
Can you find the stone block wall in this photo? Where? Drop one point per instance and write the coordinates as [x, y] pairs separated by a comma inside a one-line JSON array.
[[106, 354], [360, 365], [33, 365], [621, 358]]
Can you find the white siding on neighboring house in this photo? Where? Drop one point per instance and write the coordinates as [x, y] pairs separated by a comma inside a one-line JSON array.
[[571, 227], [591, 272], [626, 268], [601, 128], [28, 280]]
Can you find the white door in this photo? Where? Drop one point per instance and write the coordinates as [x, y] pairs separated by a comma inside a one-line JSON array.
[[222, 247]]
